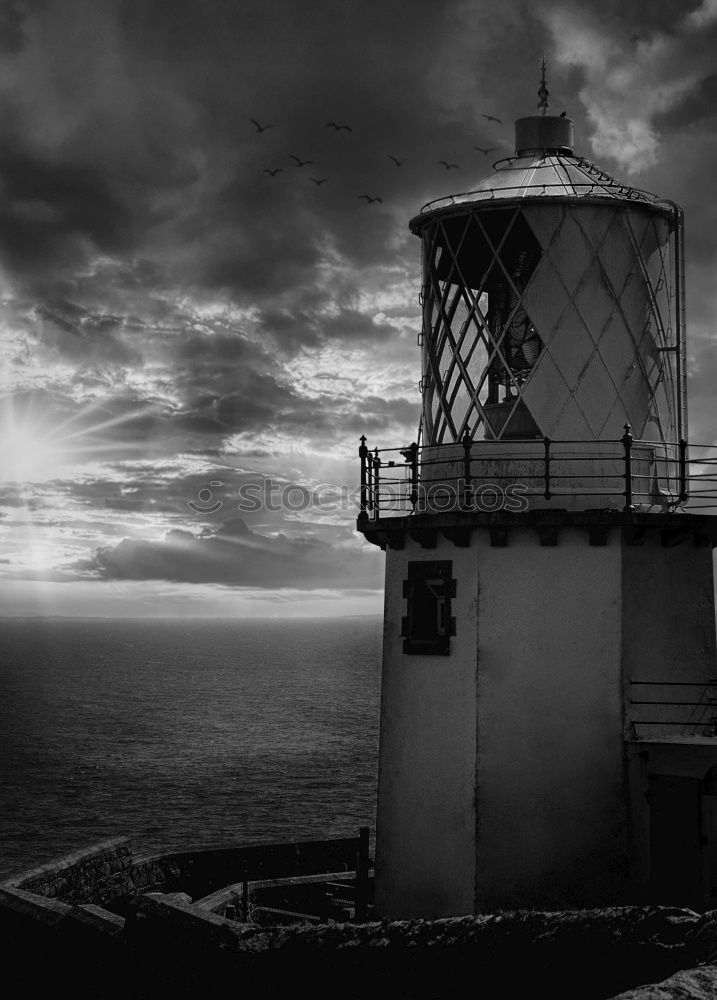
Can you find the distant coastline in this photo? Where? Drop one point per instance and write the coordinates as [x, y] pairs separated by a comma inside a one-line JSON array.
[[188, 618]]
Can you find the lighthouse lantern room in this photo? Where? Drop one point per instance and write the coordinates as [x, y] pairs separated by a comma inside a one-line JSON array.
[[548, 729]]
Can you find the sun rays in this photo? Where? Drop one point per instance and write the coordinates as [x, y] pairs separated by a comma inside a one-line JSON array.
[[36, 448]]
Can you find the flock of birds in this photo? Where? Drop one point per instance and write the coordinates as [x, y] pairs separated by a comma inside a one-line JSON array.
[[369, 199]]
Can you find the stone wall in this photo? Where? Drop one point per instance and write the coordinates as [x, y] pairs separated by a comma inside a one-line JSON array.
[[164, 944], [109, 871], [168, 946], [86, 876]]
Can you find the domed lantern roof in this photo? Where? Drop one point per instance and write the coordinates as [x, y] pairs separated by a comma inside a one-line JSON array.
[[552, 172], [544, 165]]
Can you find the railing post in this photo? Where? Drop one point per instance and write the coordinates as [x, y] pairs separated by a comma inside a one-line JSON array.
[[546, 443], [627, 445], [363, 452], [684, 490], [369, 482], [376, 462], [467, 442], [362, 876], [413, 459]]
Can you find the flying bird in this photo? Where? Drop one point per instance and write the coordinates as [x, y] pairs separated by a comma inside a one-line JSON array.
[[448, 166], [319, 182], [338, 128], [260, 128], [300, 163], [491, 149], [492, 118], [397, 162], [369, 199], [273, 173]]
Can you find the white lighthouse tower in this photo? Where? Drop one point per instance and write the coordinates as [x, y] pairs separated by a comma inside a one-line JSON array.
[[548, 712]]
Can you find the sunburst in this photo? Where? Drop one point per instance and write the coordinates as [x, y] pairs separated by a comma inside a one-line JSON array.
[[34, 448]]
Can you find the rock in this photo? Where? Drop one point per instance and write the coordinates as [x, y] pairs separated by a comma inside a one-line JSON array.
[[690, 984]]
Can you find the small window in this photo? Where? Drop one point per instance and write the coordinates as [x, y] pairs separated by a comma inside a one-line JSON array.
[[428, 625]]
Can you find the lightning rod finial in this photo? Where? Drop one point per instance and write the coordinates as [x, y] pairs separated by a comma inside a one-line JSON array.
[[543, 91]]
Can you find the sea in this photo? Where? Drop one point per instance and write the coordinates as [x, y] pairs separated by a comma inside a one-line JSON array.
[[184, 733]]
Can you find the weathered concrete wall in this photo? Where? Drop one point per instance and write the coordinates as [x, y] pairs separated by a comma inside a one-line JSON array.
[[668, 630], [425, 830], [551, 814], [524, 717]]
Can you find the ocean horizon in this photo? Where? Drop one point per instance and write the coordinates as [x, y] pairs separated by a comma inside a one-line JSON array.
[[180, 733]]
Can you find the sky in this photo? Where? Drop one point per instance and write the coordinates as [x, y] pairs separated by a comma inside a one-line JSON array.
[[197, 325]]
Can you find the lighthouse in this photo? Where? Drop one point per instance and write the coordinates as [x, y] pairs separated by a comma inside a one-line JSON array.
[[548, 732]]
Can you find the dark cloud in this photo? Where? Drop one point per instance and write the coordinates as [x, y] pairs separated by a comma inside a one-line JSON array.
[[170, 496], [12, 36], [152, 135], [81, 336], [702, 376], [309, 326], [50, 209], [235, 556], [384, 415], [155, 153], [696, 108]]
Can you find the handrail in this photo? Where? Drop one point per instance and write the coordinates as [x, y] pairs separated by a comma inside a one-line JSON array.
[[394, 479], [707, 692]]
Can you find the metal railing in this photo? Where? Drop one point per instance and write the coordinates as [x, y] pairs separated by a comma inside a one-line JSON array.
[[688, 705], [630, 474]]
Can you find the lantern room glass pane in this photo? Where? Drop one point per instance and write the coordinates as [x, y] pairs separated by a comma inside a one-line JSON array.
[[482, 343]]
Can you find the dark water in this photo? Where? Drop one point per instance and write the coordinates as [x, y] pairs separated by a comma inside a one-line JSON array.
[[186, 733]]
